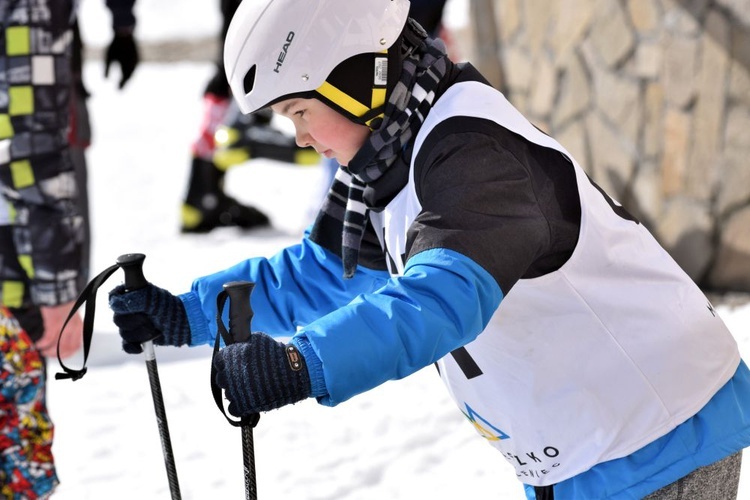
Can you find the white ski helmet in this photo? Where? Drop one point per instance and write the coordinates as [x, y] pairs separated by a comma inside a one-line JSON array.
[[277, 49]]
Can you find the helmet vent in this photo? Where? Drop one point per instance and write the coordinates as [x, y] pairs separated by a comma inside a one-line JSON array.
[[249, 80]]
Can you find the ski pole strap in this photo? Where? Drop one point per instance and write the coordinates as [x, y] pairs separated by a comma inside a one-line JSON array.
[[88, 295], [248, 420]]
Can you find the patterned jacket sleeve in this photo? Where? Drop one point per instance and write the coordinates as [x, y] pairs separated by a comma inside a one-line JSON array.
[[36, 171]]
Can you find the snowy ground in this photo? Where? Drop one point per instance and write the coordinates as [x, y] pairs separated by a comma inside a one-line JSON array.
[[404, 440]]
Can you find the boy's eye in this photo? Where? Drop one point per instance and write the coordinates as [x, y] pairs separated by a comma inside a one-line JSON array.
[[299, 113]]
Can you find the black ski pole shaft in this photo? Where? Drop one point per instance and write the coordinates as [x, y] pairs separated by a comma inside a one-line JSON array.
[[132, 266], [240, 317]]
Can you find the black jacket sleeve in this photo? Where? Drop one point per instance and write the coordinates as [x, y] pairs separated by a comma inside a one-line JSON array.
[[510, 205]]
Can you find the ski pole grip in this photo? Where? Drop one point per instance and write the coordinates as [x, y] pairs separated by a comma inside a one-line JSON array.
[[240, 311], [132, 266]]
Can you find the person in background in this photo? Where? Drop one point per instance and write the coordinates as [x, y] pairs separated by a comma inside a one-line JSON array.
[[207, 205], [44, 235]]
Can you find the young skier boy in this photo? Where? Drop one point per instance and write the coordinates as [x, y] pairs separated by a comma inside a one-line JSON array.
[[472, 240]]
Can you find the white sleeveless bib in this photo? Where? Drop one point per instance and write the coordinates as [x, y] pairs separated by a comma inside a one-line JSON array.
[[588, 363]]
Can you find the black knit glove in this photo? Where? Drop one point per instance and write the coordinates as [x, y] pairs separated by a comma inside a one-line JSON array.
[[124, 51], [261, 374], [149, 313]]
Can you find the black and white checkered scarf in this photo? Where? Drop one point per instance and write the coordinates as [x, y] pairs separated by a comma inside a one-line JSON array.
[[424, 65]]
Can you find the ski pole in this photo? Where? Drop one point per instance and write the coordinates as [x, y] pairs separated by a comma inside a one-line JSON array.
[[240, 317], [132, 266]]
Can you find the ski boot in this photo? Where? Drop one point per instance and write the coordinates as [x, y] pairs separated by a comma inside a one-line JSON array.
[[207, 206]]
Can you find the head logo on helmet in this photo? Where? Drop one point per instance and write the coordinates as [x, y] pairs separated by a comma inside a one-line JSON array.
[[284, 50]]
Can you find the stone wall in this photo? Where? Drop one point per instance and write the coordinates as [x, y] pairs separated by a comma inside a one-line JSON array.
[[652, 97]]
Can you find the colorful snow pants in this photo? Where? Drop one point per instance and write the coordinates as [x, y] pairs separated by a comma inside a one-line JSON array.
[[27, 469]]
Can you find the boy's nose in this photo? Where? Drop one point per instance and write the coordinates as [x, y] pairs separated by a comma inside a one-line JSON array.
[[303, 139]]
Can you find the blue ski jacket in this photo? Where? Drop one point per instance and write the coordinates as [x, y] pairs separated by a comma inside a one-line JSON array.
[[302, 288]]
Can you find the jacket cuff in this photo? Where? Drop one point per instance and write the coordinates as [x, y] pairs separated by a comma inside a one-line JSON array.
[[199, 331], [53, 293], [314, 366]]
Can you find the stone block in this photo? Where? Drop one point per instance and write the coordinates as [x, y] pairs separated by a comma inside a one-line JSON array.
[[653, 113], [612, 161], [518, 69], [647, 199], [573, 21], [709, 114], [684, 17], [734, 182], [618, 98], [645, 15], [737, 135], [677, 125], [610, 34], [731, 270], [573, 138], [508, 19], [538, 14], [685, 230], [740, 9], [648, 60], [739, 73], [574, 92], [543, 86], [680, 68]]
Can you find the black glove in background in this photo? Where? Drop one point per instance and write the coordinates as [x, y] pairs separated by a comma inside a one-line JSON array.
[[124, 51]]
